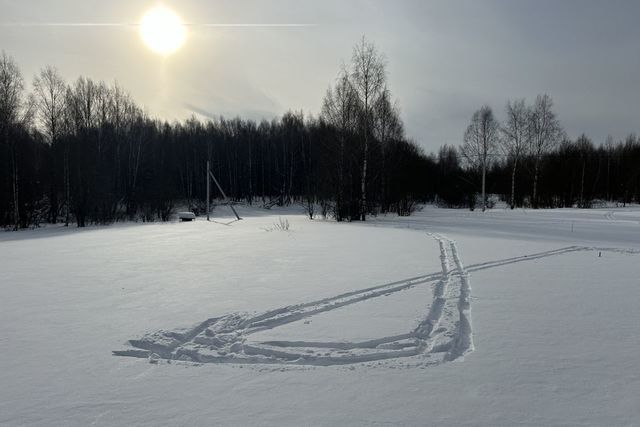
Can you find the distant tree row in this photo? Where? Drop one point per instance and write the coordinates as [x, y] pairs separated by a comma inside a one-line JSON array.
[[529, 160], [84, 152]]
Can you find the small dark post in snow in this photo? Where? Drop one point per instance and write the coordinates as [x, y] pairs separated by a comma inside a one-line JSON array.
[[599, 254], [572, 226]]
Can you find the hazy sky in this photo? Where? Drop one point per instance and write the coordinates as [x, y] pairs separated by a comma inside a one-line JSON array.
[[445, 58]]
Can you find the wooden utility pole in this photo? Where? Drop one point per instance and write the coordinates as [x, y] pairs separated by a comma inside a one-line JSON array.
[[224, 195], [210, 175], [207, 178]]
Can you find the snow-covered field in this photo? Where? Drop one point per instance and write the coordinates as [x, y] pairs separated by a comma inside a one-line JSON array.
[[448, 317]]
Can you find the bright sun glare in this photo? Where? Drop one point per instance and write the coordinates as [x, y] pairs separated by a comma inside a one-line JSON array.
[[162, 30]]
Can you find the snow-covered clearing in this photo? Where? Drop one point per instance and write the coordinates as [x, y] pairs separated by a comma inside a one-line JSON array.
[[446, 317]]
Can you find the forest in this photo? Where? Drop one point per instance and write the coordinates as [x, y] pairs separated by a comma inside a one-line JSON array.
[[84, 152]]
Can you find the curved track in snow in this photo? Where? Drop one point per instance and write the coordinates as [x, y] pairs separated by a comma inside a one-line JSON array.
[[446, 328]]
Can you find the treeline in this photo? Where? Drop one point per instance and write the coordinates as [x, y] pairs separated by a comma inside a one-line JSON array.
[[85, 153], [528, 160]]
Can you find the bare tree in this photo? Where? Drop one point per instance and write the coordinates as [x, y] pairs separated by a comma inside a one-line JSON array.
[[12, 104], [85, 99], [49, 94], [339, 110], [387, 122], [609, 147], [546, 133], [585, 148], [480, 141], [15, 110], [388, 127], [515, 138], [369, 77], [81, 119]]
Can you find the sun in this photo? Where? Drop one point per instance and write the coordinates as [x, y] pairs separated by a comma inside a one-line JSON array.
[[162, 30]]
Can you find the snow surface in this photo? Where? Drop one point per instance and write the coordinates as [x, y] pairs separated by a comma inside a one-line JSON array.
[[446, 317]]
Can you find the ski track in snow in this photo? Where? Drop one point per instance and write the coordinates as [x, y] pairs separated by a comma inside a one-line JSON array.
[[446, 329]]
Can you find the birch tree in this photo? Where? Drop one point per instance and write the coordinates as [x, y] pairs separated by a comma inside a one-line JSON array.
[[369, 78], [480, 142], [49, 91], [339, 110], [609, 147], [388, 127], [515, 138], [546, 134], [14, 111]]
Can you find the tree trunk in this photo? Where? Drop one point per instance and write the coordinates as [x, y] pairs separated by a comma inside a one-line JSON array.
[[363, 182], [250, 198], [484, 180], [67, 185], [16, 199], [582, 187], [262, 171], [53, 187], [534, 198], [383, 190], [289, 198], [608, 177], [340, 201], [513, 184]]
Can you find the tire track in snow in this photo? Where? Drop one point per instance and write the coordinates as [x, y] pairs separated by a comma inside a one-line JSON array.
[[412, 343], [426, 327], [463, 341], [530, 257], [225, 337], [446, 328]]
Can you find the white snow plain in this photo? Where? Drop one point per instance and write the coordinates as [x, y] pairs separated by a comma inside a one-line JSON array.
[[447, 317]]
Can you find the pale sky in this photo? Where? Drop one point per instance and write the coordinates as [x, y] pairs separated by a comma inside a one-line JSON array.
[[445, 58]]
